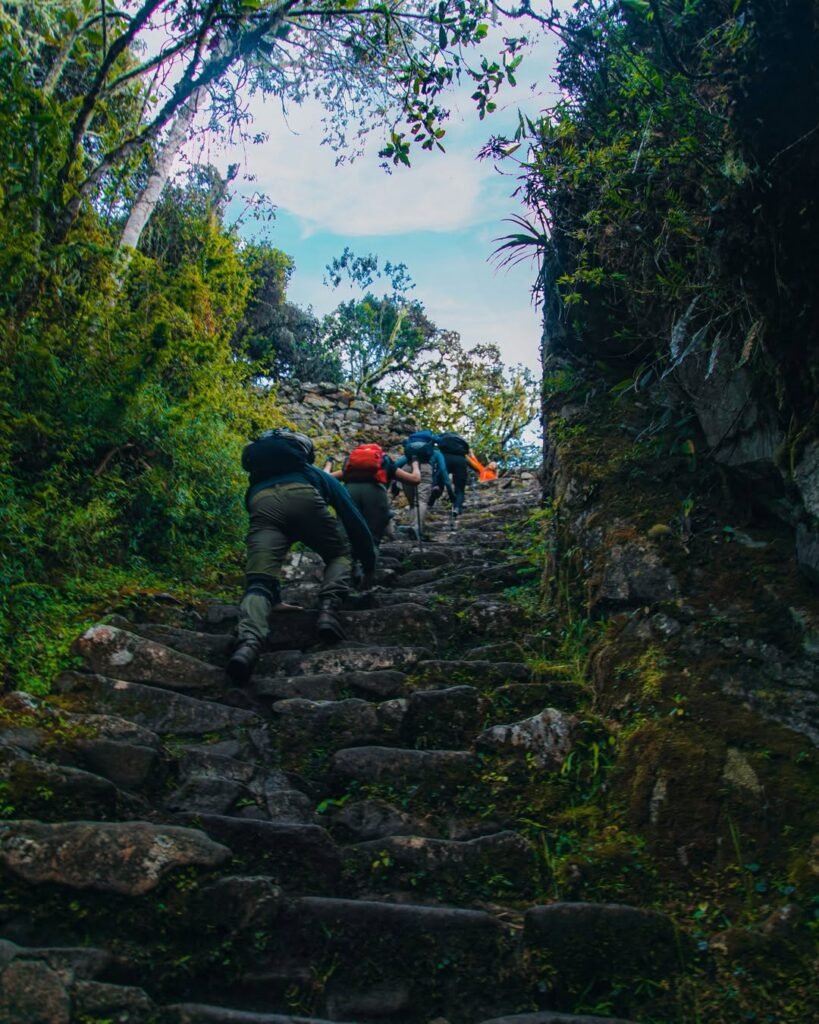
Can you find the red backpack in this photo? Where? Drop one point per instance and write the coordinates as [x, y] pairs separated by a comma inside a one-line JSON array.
[[365, 464]]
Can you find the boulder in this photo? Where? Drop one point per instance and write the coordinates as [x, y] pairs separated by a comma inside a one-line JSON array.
[[128, 857], [32, 993], [123, 655], [548, 737]]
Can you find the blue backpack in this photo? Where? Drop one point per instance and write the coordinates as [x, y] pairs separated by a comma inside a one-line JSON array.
[[419, 446]]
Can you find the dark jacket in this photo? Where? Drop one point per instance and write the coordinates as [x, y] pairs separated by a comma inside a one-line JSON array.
[[440, 476], [332, 492]]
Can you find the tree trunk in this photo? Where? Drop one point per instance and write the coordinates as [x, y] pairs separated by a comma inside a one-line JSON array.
[[146, 202]]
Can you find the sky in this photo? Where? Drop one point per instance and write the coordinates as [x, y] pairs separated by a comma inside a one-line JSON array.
[[440, 217]]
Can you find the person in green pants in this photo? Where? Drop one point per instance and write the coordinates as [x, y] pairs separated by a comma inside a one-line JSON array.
[[289, 500], [366, 473]]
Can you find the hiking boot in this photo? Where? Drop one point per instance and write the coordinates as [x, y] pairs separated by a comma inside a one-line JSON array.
[[242, 661], [329, 626]]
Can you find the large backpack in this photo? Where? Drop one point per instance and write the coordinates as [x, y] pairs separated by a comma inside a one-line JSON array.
[[452, 444], [365, 464], [276, 452], [419, 446]]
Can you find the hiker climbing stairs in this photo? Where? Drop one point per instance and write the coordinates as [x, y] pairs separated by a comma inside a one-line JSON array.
[[339, 840]]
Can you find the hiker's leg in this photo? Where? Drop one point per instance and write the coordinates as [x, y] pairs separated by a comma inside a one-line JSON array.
[[410, 491], [457, 468], [423, 495], [267, 547], [314, 524], [372, 502]]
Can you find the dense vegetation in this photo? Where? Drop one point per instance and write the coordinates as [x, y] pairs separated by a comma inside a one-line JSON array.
[[673, 203]]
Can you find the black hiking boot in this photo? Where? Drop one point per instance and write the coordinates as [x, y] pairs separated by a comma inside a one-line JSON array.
[[240, 666], [329, 626]]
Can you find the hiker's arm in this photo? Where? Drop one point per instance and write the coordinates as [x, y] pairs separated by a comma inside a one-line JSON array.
[[412, 477], [472, 459]]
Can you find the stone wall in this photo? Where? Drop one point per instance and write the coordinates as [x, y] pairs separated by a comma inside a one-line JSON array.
[[337, 419]]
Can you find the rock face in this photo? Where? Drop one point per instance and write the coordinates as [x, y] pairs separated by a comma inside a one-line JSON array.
[[406, 827]]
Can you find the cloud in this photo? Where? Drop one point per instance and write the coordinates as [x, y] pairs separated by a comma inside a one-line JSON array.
[[440, 192]]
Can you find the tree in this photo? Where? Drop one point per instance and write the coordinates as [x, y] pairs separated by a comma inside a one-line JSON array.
[[375, 338], [471, 392], [383, 64]]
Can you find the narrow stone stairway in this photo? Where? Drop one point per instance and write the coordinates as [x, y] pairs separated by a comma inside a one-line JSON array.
[[339, 841]]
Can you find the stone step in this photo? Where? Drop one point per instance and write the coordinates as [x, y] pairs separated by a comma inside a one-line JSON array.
[[30, 990], [416, 577], [128, 857], [377, 685], [82, 962], [104, 745], [298, 857], [410, 621], [496, 866], [38, 789], [463, 961], [483, 578], [517, 700], [360, 820], [381, 597], [342, 658], [481, 674], [210, 782], [306, 731], [375, 764], [165, 712], [115, 652], [552, 1017], [209, 647], [434, 555], [200, 1013]]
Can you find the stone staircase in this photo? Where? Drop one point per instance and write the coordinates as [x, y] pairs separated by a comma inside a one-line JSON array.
[[339, 841]]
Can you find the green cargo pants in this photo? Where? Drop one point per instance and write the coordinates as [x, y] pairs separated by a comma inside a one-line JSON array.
[[280, 516], [372, 502]]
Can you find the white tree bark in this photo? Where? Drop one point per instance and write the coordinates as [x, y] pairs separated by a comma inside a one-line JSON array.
[[146, 202]]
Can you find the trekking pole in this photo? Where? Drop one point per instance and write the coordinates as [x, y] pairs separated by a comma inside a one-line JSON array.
[[420, 538]]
